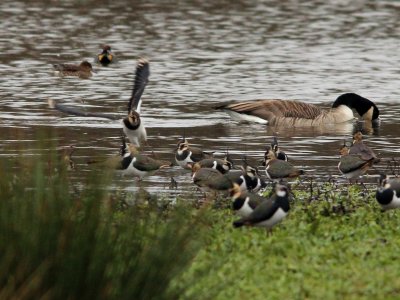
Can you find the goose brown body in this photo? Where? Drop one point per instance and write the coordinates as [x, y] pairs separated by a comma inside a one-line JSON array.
[[278, 112]]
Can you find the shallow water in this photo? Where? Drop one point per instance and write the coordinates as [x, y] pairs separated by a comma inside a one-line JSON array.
[[201, 54]]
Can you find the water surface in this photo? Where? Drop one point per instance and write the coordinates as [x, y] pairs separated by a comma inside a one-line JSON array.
[[201, 54]]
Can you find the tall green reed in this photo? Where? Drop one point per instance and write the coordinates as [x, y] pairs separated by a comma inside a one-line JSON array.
[[57, 241]]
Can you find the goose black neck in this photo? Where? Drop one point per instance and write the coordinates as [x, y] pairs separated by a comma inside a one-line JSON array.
[[360, 104]]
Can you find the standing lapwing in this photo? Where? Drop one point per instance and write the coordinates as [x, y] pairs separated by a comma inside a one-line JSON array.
[[388, 193], [186, 154], [243, 202], [277, 169], [208, 179], [269, 212], [351, 165], [139, 165], [362, 150], [132, 124], [222, 165]]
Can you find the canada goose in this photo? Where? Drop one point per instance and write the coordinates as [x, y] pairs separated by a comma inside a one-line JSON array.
[[388, 193], [296, 113], [277, 169], [269, 212], [83, 70], [352, 165], [105, 57], [132, 125]]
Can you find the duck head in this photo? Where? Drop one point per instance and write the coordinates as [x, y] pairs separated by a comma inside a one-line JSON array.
[[105, 57], [86, 66]]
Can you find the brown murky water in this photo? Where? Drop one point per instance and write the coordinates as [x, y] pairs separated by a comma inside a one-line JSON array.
[[201, 54]]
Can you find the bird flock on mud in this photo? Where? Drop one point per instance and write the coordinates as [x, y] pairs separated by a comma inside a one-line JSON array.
[[243, 183]]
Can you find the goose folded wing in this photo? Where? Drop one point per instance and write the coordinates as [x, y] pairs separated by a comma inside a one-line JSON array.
[[269, 109]]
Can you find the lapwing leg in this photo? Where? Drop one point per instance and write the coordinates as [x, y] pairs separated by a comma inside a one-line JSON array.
[[268, 232], [208, 198]]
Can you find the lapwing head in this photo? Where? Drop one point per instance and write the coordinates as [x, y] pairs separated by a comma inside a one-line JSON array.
[[227, 163], [134, 118], [86, 66], [183, 144], [250, 171], [274, 144], [344, 150], [269, 155], [382, 180], [357, 137], [281, 190], [228, 160]]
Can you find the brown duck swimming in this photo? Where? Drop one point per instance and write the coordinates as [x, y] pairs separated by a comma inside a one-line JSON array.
[[83, 70]]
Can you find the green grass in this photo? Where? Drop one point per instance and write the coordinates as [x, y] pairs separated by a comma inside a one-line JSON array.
[[345, 249], [62, 241]]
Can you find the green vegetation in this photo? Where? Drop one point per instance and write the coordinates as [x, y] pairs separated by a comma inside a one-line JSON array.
[[60, 241], [339, 245]]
